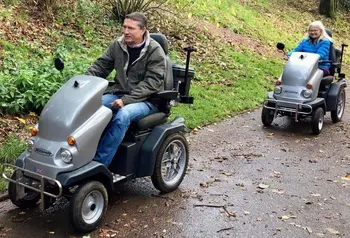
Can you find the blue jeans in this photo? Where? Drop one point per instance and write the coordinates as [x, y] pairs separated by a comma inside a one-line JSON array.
[[116, 129]]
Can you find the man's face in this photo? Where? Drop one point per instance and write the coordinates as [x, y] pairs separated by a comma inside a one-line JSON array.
[[133, 34], [314, 32]]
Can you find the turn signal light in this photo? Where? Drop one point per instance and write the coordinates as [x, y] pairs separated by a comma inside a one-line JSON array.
[[278, 82], [71, 140], [308, 86], [33, 131]]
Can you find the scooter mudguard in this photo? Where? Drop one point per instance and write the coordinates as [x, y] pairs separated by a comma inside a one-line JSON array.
[[152, 144], [333, 94], [91, 171]]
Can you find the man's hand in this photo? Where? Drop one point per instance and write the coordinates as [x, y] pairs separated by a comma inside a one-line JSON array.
[[117, 103]]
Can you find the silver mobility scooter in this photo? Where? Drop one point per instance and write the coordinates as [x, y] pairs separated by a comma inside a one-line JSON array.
[[302, 91], [59, 158]]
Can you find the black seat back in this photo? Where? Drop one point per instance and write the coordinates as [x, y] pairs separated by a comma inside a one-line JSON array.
[[161, 39], [334, 55]]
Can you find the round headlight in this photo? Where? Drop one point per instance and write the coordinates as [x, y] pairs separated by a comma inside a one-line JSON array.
[[307, 93], [30, 144], [66, 156], [278, 90]]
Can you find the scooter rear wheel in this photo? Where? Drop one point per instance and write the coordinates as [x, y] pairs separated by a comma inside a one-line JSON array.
[[88, 206], [338, 113], [171, 163], [30, 198], [317, 121]]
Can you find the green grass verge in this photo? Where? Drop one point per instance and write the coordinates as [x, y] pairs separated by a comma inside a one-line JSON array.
[[8, 154]]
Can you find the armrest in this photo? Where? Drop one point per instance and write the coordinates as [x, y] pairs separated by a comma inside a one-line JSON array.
[[167, 95], [337, 65]]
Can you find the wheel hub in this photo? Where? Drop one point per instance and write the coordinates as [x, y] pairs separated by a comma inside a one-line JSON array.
[[92, 207], [173, 162]]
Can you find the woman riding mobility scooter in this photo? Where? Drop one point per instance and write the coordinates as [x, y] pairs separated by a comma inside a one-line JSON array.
[[302, 91], [58, 161]]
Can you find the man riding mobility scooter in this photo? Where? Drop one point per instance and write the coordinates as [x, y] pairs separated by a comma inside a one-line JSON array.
[[302, 91], [59, 158]]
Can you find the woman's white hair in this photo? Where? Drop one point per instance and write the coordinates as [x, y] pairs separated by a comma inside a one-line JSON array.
[[319, 25]]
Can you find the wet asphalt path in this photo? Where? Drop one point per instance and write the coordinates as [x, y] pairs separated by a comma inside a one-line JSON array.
[[301, 194]]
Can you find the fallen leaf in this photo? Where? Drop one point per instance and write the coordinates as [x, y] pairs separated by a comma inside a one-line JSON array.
[[315, 194], [308, 229], [263, 186], [21, 120], [332, 231], [246, 213], [227, 174]]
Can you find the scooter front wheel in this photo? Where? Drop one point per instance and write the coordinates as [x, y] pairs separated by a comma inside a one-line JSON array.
[[171, 163], [88, 206], [317, 121], [267, 116], [20, 196]]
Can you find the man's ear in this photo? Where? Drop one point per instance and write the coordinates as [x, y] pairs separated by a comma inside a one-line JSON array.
[[144, 30]]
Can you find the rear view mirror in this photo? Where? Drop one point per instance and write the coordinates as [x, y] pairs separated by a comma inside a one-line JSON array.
[[280, 46], [59, 65]]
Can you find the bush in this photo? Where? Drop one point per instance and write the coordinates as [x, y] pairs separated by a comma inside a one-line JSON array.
[[28, 85], [121, 8]]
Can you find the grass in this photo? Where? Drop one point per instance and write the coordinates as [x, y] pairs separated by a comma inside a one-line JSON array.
[[9, 153]]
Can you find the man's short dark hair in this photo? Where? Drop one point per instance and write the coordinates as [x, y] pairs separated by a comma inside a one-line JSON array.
[[139, 17]]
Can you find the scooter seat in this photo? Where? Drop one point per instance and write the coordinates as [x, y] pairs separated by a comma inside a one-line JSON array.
[[151, 121], [327, 80]]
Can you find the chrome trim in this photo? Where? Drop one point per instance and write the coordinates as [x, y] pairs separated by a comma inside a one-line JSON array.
[[43, 179], [294, 107]]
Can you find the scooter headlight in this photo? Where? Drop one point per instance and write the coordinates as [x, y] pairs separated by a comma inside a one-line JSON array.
[[307, 93], [30, 144], [278, 90], [66, 156]]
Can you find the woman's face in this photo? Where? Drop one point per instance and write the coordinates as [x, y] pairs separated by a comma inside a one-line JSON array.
[[314, 32]]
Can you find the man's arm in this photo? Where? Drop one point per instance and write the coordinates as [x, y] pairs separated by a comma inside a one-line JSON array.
[[154, 79], [104, 65]]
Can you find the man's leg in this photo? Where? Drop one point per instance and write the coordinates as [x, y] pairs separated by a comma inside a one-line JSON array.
[[117, 128]]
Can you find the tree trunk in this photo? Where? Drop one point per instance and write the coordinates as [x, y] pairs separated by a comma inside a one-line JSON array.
[[327, 8]]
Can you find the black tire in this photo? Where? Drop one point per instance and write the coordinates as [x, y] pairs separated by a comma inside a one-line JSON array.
[[267, 116], [30, 200], [172, 142], [97, 203], [317, 121], [338, 113]]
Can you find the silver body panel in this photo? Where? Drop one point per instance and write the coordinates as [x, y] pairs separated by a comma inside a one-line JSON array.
[[300, 70], [72, 111]]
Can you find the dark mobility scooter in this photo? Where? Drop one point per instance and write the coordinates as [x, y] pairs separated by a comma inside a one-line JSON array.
[[302, 91], [58, 161]]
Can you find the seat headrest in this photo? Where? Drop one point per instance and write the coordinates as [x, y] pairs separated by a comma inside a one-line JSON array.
[[161, 39], [329, 32]]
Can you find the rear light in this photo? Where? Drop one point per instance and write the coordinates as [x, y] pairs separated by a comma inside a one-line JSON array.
[[309, 86], [278, 83]]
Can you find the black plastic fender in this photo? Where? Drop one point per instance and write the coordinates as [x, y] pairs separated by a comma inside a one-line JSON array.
[[152, 144], [333, 95], [91, 171]]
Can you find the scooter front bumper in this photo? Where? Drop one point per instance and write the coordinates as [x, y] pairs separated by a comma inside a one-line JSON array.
[[290, 107], [38, 186]]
